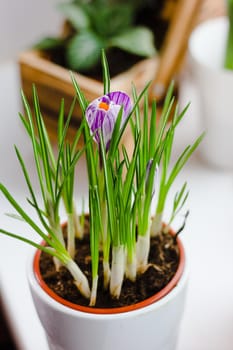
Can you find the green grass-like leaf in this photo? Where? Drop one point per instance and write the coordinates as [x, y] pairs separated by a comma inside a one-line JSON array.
[[106, 75]]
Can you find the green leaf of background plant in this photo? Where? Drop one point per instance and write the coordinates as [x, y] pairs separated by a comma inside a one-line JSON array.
[[75, 14], [138, 41], [112, 20], [84, 50], [49, 43]]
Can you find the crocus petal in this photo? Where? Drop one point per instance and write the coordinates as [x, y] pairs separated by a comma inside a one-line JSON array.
[[109, 123], [95, 118], [103, 111], [122, 99]]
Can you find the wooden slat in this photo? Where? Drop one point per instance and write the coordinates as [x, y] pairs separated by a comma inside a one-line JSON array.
[[187, 14]]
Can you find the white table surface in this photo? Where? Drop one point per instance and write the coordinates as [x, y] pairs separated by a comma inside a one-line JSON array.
[[208, 319]]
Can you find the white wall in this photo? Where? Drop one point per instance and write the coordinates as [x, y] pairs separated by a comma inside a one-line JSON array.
[[23, 22]]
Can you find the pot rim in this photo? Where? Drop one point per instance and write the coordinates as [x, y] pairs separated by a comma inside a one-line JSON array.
[[110, 311]]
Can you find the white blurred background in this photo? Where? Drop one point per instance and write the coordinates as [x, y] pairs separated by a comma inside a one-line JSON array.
[[23, 22]]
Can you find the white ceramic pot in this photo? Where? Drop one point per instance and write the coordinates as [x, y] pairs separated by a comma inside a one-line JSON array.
[[207, 45], [154, 326]]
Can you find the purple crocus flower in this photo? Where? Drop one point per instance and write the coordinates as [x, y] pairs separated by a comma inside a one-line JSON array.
[[103, 112]]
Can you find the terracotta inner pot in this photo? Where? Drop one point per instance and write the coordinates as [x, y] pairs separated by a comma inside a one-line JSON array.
[[171, 284]]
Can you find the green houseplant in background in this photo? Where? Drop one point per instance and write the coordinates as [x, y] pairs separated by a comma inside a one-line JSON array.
[[120, 234], [98, 24], [128, 30]]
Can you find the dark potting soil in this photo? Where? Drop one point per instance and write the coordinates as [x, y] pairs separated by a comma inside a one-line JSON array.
[[164, 259], [118, 60]]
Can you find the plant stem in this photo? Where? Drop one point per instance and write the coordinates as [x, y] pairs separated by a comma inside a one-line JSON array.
[[156, 225], [107, 273], [117, 272], [142, 250], [94, 291], [56, 227], [106, 245], [70, 235], [80, 280], [131, 267], [78, 227]]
